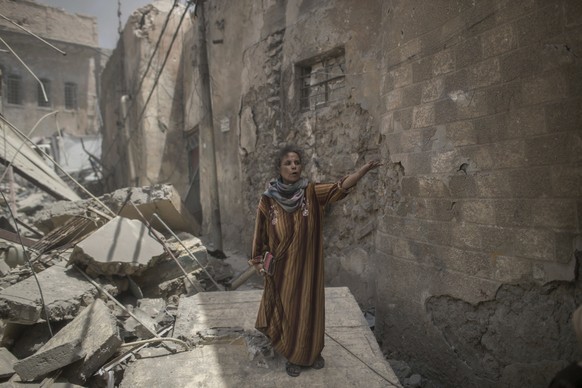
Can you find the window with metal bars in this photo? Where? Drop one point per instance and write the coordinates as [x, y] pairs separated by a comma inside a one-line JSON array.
[[40, 95], [70, 95], [14, 89], [322, 80]]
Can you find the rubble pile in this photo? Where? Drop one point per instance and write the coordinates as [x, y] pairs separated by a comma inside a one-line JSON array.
[[85, 285]]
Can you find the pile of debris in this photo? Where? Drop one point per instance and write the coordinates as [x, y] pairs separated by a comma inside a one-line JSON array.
[[88, 283]]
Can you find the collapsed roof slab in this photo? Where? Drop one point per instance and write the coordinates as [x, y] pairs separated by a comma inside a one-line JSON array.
[[92, 337], [120, 247], [64, 290], [352, 355]]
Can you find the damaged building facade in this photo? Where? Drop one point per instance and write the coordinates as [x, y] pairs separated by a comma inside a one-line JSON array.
[[70, 81], [466, 241]]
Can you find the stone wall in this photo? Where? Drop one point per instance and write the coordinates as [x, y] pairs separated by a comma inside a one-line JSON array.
[[146, 145], [476, 261]]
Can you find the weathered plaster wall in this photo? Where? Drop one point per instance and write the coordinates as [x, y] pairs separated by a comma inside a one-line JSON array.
[[74, 34], [155, 120], [476, 261]]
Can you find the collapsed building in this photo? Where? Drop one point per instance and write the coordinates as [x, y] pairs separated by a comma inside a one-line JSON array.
[[467, 241]]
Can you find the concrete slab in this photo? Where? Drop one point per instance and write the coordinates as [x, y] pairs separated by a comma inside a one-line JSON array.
[[91, 337], [64, 290], [353, 357], [7, 361], [120, 247]]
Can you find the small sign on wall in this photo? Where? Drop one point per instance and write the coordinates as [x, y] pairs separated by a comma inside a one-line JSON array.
[[225, 125]]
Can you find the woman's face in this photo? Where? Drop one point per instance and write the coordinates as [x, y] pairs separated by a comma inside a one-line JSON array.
[[290, 168]]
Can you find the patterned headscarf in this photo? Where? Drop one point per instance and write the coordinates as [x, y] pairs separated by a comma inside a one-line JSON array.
[[290, 196]]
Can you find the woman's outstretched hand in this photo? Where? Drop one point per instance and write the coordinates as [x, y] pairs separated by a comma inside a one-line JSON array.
[[353, 178]]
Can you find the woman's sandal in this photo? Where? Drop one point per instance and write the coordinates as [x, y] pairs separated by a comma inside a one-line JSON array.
[[319, 363], [293, 370]]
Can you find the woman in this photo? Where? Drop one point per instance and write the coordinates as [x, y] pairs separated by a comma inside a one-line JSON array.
[[289, 226]]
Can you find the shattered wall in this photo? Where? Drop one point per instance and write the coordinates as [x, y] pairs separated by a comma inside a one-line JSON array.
[[76, 35], [145, 145], [476, 261]]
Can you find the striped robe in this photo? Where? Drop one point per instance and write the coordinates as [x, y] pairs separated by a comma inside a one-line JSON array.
[[292, 310]]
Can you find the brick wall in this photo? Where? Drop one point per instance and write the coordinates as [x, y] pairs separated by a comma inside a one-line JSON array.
[[483, 105]]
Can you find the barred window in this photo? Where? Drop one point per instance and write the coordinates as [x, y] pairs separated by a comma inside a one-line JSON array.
[[70, 95], [40, 96], [14, 89], [322, 80]]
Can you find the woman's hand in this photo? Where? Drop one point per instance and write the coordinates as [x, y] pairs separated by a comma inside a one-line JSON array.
[[258, 267], [372, 165], [353, 178]]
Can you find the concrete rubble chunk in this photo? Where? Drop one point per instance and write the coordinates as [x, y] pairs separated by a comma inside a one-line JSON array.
[[120, 247], [7, 361], [65, 291], [161, 199], [91, 338]]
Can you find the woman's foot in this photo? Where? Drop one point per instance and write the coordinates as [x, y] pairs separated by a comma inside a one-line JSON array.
[[293, 370], [319, 363]]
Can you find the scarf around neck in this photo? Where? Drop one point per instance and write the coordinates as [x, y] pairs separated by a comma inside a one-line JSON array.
[[288, 196]]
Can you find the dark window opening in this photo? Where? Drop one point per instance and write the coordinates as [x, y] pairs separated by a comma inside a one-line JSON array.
[[322, 80], [70, 95], [14, 89]]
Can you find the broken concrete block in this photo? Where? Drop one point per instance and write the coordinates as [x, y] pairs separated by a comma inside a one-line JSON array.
[[99, 343], [7, 361], [65, 291], [48, 359], [163, 200], [120, 247], [92, 337], [132, 325]]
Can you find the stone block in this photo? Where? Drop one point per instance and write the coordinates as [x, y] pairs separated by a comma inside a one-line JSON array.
[[411, 95], [483, 74], [402, 119], [7, 361], [573, 12], [432, 89], [513, 212], [499, 40], [394, 99], [565, 115], [461, 133], [479, 211], [443, 62], [463, 186], [557, 148], [418, 163], [445, 111], [423, 116], [541, 25], [565, 181], [422, 70], [65, 292], [500, 155], [401, 76], [547, 88], [468, 52]]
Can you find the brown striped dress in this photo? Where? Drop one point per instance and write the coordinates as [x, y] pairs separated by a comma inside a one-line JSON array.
[[292, 310]]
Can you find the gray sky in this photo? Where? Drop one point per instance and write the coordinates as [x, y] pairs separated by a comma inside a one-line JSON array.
[[105, 11]]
